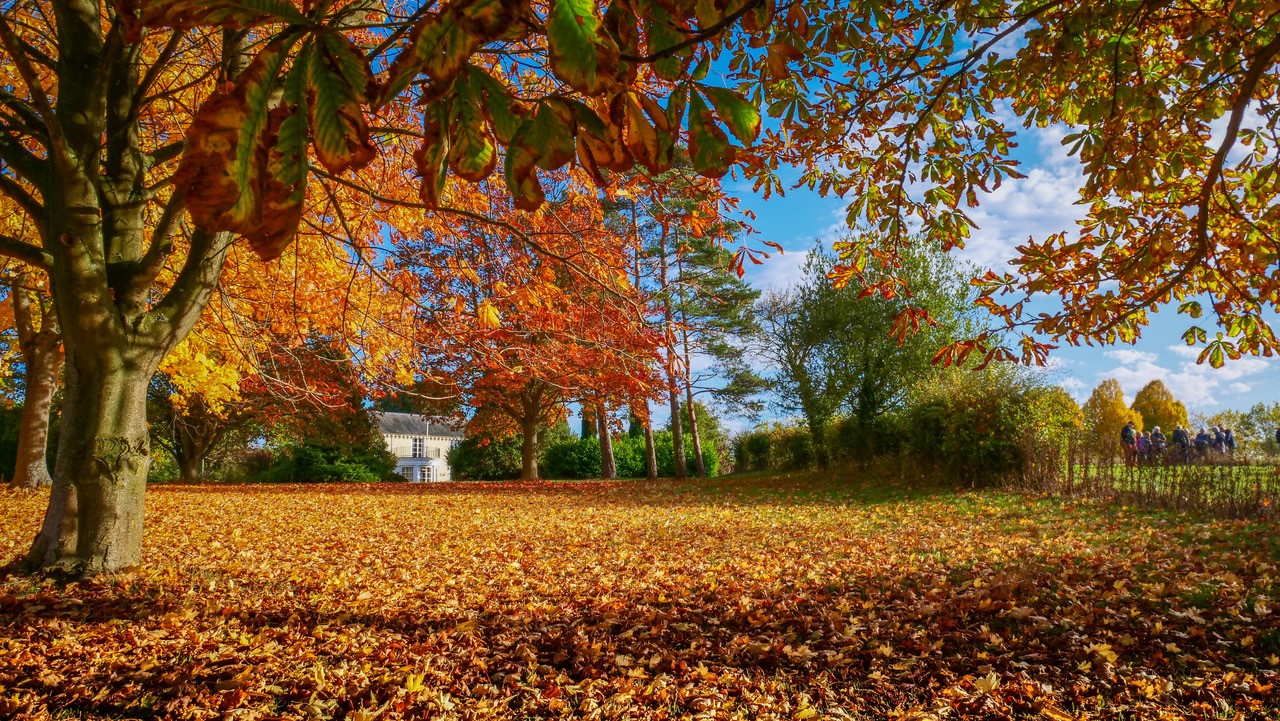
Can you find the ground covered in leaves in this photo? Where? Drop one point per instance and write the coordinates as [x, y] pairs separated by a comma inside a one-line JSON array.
[[800, 598]]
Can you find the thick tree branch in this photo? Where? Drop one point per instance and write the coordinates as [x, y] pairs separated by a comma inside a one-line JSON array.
[[165, 153], [696, 38], [179, 309], [34, 209], [31, 255], [39, 97]]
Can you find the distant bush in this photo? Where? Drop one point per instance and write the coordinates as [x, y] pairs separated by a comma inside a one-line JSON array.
[[580, 458], [577, 458], [311, 462], [478, 459], [978, 428], [966, 427], [773, 448]]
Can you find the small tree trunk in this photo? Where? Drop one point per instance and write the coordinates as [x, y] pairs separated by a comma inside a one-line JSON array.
[[650, 451], [680, 467], [43, 364], [32, 470], [698, 461], [608, 467], [41, 347], [529, 450], [588, 423]]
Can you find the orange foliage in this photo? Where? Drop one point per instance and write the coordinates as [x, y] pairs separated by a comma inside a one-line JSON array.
[[782, 599]]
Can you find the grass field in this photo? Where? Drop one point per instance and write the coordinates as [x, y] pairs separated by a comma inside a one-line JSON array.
[[790, 598]]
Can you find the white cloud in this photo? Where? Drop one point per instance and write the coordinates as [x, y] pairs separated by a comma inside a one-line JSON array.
[[780, 270], [1039, 205], [1129, 357], [1197, 385], [785, 269]]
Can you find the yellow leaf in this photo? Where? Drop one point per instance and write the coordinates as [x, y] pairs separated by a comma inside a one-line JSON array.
[[487, 314], [988, 683]]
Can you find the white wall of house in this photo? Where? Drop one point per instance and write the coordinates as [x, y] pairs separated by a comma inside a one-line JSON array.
[[421, 459]]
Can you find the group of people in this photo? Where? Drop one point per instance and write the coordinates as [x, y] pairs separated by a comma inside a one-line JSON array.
[[1141, 447]]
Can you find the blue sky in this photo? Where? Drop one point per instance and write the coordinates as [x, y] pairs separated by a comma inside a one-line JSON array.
[[1038, 205]]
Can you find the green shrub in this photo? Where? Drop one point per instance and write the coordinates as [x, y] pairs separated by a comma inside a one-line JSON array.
[[578, 458], [478, 459], [581, 458], [311, 462], [979, 427], [773, 448]]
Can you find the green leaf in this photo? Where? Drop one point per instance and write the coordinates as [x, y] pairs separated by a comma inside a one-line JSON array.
[[341, 135], [701, 69], [432, 157], [581, 55], [222, 162], [472, 152], [438, 47], [740, 116], [498, 104], [284, 181], [663, 35], [349, 62], [551, 134], [709, 148]]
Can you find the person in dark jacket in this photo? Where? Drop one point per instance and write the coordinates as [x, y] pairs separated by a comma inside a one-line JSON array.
[[1129, 443], [1203, 442], [1229, 442], [1181, 444]]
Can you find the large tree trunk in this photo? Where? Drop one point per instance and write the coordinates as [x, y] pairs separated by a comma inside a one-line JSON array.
[[42, 356], [104, 259], [608, 467], [529, 449], [94, 520]]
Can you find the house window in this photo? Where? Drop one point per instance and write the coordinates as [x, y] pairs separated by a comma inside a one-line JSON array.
[[425, 474], [405, 472], [435, 452], [419, 445]]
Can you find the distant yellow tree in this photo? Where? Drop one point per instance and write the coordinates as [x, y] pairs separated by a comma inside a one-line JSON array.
[[1105, 413], [1157, 406]]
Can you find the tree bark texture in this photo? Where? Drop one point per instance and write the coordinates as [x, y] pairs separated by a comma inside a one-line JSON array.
[[41, 347], [608, 466], [529, 449], [673, 392]]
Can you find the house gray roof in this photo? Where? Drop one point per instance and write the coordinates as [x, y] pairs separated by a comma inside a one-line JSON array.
[[412, 424]]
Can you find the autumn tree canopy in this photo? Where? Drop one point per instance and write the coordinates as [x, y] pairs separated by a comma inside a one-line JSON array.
[[1159, 408], [1105, 413]]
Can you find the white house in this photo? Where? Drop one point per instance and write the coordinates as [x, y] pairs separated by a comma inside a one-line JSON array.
[[420, 444]]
